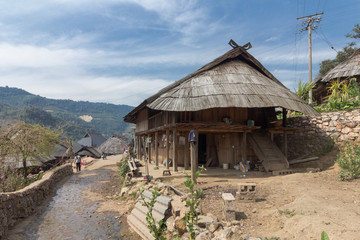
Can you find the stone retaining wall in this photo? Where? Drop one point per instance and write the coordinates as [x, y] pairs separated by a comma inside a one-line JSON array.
[[22, 203], [316, 134]]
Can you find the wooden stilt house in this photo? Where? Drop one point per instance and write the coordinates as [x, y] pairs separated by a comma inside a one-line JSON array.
[[229, 103]]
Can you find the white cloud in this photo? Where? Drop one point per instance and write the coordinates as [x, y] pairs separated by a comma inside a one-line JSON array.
[[272, 39]]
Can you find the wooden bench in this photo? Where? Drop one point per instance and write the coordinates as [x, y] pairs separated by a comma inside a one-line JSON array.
[[134, 170]]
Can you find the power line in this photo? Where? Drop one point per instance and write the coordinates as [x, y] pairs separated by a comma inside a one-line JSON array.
[[309, 24], [323, 37]]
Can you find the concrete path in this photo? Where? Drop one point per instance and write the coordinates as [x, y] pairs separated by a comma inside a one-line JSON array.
[[69, 214]]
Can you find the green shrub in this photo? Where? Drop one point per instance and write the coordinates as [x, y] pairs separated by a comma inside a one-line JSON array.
[[349, 161], [123, 168]]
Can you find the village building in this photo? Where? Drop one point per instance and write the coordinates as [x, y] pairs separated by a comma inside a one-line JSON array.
[[349, 69], [114, 145], [230, 107], [92, 140]]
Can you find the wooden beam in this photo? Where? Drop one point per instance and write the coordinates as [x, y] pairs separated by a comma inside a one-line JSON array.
[[156, 149], [167, 149], [174, 151]]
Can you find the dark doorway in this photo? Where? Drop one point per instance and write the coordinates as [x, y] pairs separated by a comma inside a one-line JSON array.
[[202, 149]]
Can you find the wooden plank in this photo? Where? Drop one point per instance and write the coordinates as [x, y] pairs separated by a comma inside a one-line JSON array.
[[303, 160]]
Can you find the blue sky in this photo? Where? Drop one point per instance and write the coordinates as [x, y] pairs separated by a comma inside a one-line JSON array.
[[122, 51]]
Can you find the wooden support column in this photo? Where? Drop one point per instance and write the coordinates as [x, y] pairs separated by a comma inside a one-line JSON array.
[[284, 112], [243, 149], [138, 147], [167, 149], [197, 150], [186, 155], [285, 147], [156, 149], [149, 150], [174, 151], [193, 159]]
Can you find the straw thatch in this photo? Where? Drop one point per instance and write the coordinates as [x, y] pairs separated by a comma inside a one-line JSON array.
[[115, 144], [235, 79], [348, 68]]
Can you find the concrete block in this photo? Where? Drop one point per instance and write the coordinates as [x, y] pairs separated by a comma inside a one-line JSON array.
[[282, 172], [245, 188]]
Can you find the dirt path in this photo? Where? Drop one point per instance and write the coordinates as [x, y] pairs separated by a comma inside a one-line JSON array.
[[295, 206], [83, 207]]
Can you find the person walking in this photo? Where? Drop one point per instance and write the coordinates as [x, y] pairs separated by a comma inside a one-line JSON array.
[[77, 161]]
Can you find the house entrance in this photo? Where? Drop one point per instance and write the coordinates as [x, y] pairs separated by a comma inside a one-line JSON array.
[[202, 149]]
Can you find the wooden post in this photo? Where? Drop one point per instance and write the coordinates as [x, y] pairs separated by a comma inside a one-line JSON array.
[[193, 159], [285, 145], [186, 155], [138, 147], [284, 112], [156, 149], [174, 151], [149, 150], [167, 149], [243, 150], [196, 150]]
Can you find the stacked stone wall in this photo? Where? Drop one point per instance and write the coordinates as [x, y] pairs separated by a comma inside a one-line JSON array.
[[315, 134], [22, 203]]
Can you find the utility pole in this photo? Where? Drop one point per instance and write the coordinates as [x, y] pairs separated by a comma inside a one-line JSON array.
[[308, 25]]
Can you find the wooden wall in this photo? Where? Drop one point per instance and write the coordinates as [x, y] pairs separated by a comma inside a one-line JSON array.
[[142, 121]]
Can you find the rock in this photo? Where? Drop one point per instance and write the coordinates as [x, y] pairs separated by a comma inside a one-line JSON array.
[[204, 220], [123, 191], [180, 226], [230, 233], [254, 210], [213, 217], [206, 235], [170, 224], [177, 205], [212, 227]]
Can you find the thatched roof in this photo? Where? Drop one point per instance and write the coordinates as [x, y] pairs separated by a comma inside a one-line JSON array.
[[349, 68], [114, 144], [235, 79], [92, 140]]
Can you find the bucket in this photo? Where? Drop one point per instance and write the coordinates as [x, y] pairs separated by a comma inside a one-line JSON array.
[[226, 166]]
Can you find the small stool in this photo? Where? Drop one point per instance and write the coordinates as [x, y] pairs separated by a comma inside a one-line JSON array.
[[166, 172]]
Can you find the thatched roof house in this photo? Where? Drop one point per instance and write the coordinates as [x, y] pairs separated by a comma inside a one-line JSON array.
[[217, 101], [92, 140], [115, 144], [350, 68]]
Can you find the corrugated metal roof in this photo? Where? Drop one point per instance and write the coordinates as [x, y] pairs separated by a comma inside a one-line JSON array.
[[348, 68]]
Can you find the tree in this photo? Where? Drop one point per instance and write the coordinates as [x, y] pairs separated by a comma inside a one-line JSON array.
[[25, 142], [341, 56]]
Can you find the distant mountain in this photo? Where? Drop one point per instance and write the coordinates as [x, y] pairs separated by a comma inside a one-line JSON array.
[[70, 117]]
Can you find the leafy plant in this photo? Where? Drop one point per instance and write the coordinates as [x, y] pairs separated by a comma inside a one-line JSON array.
[[157, 229], [193, 202], [123, 168], [349, 161], [324, 236], [287, 212], [303, 89]]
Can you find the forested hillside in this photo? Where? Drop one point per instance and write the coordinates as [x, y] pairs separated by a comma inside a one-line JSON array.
[[62, 115]]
